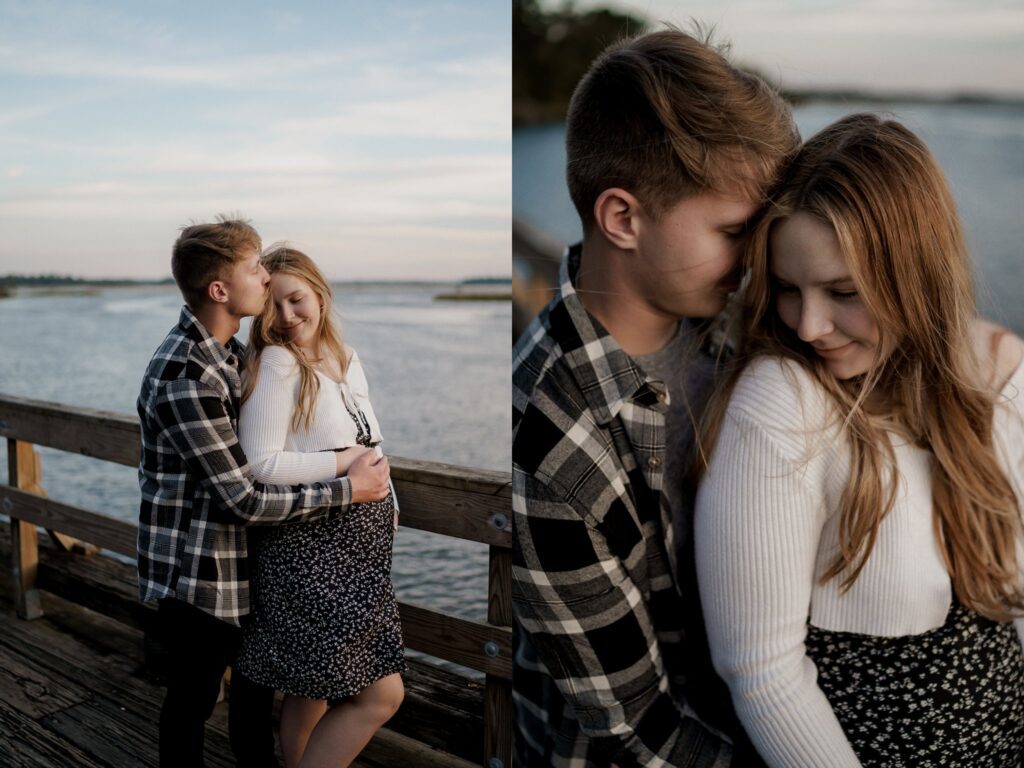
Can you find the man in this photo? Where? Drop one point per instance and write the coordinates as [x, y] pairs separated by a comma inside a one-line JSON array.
[[198, 496], [670, 150]]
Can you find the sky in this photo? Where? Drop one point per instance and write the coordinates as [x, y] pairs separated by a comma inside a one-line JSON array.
[[374, 136], [927, 46]]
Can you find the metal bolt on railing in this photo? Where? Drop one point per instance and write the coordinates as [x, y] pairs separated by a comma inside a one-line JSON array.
[[499, 520], [491, 649]]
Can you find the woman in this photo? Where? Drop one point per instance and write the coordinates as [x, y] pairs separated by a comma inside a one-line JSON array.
[[858, 527], [325, 627]]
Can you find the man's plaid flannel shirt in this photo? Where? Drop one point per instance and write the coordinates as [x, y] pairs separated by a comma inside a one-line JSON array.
[[598, 615], [197, 492]]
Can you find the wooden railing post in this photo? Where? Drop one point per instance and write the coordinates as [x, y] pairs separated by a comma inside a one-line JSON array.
[[22, 469], [498, 691]]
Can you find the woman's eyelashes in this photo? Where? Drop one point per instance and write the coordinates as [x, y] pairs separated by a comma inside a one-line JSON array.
[[840, 294], [843, 294]]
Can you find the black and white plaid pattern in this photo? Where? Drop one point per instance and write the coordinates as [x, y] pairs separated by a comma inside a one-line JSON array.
[[197, 491], [598, 615]]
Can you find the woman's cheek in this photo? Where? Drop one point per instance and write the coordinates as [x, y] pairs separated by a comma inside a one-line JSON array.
[[788, 308]]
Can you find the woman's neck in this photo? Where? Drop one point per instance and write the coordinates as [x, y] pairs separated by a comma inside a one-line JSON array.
[[311, 353]]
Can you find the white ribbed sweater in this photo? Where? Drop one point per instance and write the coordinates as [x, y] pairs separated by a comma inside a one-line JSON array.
[[766, 529], [279, 455]]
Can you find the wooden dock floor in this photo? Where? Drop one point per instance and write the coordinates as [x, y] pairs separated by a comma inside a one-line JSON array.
[[74, 690]]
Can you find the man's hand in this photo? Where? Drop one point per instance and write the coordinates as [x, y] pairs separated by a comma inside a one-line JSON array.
[[369, 475], [346, 457]]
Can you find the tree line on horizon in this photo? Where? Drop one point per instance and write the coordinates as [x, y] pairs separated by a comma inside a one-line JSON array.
[[551, 50]]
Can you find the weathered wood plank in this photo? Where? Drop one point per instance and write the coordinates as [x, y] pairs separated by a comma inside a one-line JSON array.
[[108, 532], [443, 710], [102, 738], [458, 640], [121, 704], [24, 743], [389, 749], [498, 691], [90, 432], [30, 690], [21, 473], [453, 476], [462, 514]]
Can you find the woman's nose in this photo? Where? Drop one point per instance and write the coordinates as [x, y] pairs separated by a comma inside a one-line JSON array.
[[815, 321]]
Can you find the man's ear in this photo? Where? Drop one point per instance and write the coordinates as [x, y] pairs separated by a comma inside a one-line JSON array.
[[217, 291], [615, 213]]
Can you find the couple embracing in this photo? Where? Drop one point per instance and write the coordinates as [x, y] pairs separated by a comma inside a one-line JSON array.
[[796, 543], [267, 513]]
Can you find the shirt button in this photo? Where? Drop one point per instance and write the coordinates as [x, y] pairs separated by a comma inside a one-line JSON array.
[[654, 462], [663, 397]]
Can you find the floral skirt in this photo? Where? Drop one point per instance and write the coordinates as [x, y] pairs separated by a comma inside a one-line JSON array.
[[324, 621], [953, 696]]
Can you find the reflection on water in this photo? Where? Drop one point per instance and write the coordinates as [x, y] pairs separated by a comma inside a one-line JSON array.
[[439, 379]]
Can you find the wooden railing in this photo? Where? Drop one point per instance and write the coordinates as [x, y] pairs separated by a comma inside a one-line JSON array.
[[454, 501]]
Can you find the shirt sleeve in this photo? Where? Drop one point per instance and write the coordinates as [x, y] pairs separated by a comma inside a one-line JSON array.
[[590, 626], [263, 427], [758, 525], [193, 420]]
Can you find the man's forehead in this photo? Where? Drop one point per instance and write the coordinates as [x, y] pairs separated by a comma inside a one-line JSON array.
[[725, 206]]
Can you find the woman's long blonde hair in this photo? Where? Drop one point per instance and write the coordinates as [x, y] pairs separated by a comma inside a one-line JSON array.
[[282, 259], [879, 188]]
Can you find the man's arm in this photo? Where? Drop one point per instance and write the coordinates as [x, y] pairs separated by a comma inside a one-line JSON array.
[[590, 625], [193, 419]]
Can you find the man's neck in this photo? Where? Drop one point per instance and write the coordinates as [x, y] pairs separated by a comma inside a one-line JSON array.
[[604, 288], [219, 323]]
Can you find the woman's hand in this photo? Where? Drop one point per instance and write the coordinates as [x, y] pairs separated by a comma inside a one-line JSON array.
[[346, 458]]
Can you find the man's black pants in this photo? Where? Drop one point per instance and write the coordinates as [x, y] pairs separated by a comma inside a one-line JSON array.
[[200, 647]]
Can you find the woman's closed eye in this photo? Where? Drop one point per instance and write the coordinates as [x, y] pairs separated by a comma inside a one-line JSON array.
[[843, 294]]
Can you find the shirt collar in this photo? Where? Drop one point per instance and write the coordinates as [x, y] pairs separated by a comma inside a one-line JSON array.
[[607, 376], [228, 356]]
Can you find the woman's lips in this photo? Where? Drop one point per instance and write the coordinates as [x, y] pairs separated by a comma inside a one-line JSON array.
[[833, 351]]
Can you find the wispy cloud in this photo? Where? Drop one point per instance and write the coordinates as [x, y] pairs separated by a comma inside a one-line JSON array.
[[390, 130]]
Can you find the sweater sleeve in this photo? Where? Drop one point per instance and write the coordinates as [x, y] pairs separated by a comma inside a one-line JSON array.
[[1008, 436], [758, 525], [264, 424]]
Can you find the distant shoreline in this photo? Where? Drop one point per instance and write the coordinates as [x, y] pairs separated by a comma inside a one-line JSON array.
[[65, 285], [528, 112]]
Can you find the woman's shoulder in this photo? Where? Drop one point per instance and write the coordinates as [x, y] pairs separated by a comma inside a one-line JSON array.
[[354, 373], [278, 358], [781, 394], [1000, 353]]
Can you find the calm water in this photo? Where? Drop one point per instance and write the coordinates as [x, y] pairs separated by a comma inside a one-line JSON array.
[[439, 377], [981, 149]]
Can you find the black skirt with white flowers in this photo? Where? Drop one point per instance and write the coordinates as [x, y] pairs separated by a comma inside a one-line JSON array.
[[953, 696]]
